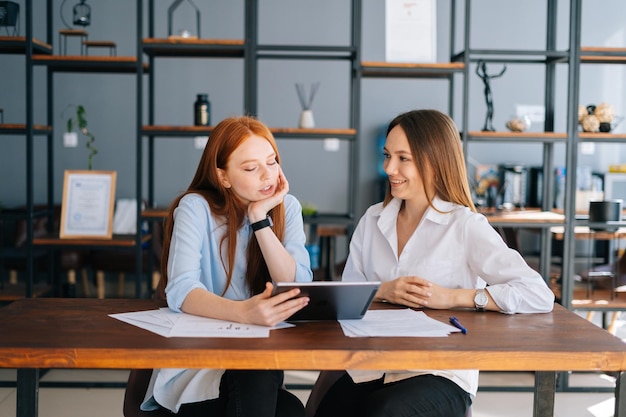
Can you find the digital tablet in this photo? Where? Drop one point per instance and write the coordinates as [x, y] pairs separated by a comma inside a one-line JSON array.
[[332, 300]]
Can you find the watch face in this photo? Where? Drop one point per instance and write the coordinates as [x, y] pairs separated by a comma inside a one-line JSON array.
[[481, 299]]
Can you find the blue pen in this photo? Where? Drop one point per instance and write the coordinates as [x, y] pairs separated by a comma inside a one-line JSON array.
[[456, 323]]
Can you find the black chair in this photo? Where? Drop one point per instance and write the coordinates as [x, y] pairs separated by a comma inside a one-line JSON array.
[[136, 388]]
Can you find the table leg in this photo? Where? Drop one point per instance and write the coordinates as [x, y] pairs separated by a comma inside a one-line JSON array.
[[620, 395], [27, 392], [543, 404]]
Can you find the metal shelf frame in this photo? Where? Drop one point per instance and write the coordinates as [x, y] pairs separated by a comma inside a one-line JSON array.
[[28, 46], [251, 52]]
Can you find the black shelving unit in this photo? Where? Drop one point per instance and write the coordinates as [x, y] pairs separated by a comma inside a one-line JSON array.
[[463, 57], [27, 46], [582, 55], [41, 54], [461, 63], [57, 64], [251, 52], [549, 58]]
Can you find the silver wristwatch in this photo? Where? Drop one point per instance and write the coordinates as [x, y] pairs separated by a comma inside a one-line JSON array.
[[481, 300]]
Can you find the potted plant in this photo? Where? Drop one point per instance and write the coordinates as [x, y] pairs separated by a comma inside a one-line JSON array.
[[81, 121]]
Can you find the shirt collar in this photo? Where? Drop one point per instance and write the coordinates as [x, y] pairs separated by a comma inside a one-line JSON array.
[[442, 214], [389, 213]]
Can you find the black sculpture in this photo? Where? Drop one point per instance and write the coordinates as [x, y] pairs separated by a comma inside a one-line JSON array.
[[481, 71]]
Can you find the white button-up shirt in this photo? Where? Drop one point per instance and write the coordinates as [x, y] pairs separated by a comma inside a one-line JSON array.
[[454, 248]]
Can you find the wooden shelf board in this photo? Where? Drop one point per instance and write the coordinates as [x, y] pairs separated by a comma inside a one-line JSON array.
[[585, 136], [192, 41], [84, 63], [602, 55], [602, 136], [17, 128], [171, 130], [506, 135], [155, 213], [163, 130], [193, 47], [603, 50], [18, 44], [297, 132], [115, 241], [596, 59], [425, 70]]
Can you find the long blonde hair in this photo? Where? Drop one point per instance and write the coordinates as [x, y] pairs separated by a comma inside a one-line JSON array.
[[227, 136], [435, 142]]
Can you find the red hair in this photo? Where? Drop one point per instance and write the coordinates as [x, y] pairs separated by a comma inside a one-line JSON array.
[[227, 136]]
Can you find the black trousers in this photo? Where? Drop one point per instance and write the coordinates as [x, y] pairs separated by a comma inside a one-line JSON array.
[[420, 396], [248, 394]]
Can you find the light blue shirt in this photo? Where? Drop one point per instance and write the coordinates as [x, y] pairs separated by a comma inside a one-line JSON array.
[[194, 262]]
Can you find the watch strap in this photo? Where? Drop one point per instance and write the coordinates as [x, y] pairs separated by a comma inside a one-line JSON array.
[[261, 224]]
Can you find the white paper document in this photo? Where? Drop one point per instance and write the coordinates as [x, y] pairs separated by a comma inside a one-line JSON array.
[[396, 323], [167, 323]]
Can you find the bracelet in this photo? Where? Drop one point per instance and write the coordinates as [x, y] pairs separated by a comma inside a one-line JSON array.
[[261, 224]]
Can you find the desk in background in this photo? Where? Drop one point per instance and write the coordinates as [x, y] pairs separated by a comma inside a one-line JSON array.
[[524, 218], [327, 235], [507, 223], [77, 333], [584, 232]]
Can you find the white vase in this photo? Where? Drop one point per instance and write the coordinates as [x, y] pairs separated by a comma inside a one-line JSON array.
[[306, 120]]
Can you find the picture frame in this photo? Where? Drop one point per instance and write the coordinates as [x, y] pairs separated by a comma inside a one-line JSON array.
[[411, 31], [88, 204]]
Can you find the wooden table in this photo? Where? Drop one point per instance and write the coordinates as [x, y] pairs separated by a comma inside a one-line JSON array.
[[77, 333], [65, 33], [327, 235], [524, 218]]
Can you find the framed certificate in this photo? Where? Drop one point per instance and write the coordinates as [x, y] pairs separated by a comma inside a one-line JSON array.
[[411, 31], [88, 202]]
